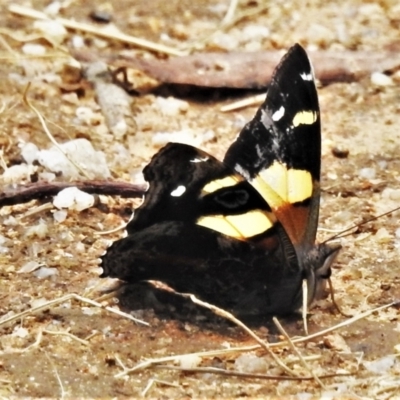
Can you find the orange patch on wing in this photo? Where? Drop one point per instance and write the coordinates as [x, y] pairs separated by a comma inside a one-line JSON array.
[[294, 219]]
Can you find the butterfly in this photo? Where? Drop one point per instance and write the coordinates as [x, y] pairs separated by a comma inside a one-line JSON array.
[[240, 233]]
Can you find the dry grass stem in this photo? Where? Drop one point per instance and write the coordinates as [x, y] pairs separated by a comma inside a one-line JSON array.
[[154, 381], [50, 136], [71, 296], [297, 352], [94, 30], [227, 315], [249, 101]]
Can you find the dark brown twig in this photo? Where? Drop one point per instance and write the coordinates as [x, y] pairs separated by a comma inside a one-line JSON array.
[[253, 70], [40, 190]]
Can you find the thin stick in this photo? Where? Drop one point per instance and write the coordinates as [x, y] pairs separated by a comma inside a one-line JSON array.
[[70, 335], [227, 315], [306, 366], [62, 300], [37, 210], [153, 381], [20, 351], [57, 376], [345, 323], [40, 190], [49, 135], [221, 371], [94, 30], [250, 101], [3, 163], [118, 228], [231, 12], [213, 353]]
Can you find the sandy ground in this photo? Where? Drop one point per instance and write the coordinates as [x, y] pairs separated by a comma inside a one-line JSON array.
[[74, 349]]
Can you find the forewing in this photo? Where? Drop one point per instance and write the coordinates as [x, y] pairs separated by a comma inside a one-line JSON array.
[[279, 151], [187, 184]]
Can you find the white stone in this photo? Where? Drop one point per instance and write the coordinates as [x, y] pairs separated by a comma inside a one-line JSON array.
[[170, 106], [29, 152], [40, 230], [82, 153], [381, 365], [47, 176], [45, 272], [73, 199], [33, 49], [77, 42], [367, 173], [51, 29], [379, 79], [60, 215], [253, 31], [29, 266], [20, 332], [250, 363], [189, 361], [17, 173]]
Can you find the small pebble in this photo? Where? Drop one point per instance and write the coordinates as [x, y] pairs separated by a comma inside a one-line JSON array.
[[101, 16], [82, 153], [40, 230], [28, 267], [340, 152], [51, 30], [60, 215], [29, 152], [45, 272], [170, 106], [250, 363], [33, 49], [383, 236], [18, 173], [189, 361], [367, 173], [73, 199], [77, 42], [381, 365], [379, 79]]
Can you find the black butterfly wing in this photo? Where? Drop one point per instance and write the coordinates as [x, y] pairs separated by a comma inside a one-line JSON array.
[[279, 150], [189, 185], [193, 232], [231, 273], [250, 222]]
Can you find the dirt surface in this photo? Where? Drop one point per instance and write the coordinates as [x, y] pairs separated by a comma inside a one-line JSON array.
[[74, 349]]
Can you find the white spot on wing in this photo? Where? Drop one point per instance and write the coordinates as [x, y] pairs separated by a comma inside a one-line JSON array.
[[266, 119], [178, 191], [239, 169], [306, 76], [277, 115], [197, 160]]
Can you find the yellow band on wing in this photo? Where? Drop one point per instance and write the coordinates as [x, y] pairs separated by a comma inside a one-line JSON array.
[[221, 183], [240, 226], [278, 184]]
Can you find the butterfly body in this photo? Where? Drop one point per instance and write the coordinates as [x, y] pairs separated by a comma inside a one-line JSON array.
[[238, 233]]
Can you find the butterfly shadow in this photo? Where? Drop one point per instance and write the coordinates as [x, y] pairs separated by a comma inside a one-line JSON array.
[[145, 301]]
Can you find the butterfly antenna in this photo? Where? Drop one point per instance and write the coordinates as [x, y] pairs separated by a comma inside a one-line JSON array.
[[341, 234]]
